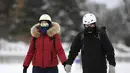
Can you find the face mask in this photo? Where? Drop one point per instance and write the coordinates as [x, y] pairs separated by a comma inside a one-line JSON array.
[[44, 27], [90, 28]]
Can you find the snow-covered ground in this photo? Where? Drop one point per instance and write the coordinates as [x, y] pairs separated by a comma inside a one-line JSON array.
[[9, 50], [20, 48], [76, 68]]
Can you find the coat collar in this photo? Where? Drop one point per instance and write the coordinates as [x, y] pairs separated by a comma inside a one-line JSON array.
[[55, 29]]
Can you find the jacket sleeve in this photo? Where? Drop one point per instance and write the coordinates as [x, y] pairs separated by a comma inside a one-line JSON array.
[[74, 49], [29, 55], [109, 50], [59, 49]]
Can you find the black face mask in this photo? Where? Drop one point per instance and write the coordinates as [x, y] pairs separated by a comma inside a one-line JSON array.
[[90, 29], [45, 28]]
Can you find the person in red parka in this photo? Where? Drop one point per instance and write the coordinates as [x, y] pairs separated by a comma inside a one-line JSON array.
[[44, 47]]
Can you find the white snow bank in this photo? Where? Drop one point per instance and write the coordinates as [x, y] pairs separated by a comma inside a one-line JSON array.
[[76, 68]]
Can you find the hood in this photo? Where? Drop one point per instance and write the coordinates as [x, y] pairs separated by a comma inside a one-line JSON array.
[[55, 29]]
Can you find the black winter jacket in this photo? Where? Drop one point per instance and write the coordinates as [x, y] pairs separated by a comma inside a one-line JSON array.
[[95, 49]]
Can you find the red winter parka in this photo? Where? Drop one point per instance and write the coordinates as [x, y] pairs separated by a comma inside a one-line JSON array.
[[42, 52]]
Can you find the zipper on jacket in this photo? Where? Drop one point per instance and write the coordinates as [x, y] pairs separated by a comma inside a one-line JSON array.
[[43, 52], [52, 51]]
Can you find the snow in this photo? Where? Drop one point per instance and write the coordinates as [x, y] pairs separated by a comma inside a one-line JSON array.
[[121, 50], [122, 46], [20, 48], [11, 49], [121, 67]]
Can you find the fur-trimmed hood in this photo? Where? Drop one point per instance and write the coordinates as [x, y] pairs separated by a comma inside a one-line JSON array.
[[55, 29]]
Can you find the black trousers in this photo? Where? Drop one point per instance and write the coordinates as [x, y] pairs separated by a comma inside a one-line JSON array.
[[45, 70]]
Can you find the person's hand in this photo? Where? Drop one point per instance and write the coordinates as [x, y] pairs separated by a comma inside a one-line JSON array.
[[34, 31], [111, 69], [68, 68], [25, 69]]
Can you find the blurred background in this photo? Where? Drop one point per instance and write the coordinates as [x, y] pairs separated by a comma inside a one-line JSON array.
[[18, 16]]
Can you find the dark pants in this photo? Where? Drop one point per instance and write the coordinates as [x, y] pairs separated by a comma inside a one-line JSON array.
[[45, 70]]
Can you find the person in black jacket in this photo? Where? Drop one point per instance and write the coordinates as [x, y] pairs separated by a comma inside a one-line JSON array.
[[95, 48]]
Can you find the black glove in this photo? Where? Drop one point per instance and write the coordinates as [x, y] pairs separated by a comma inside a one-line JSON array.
[[25, 69]]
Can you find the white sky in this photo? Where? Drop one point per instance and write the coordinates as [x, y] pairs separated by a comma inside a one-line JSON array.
[[109, 3]]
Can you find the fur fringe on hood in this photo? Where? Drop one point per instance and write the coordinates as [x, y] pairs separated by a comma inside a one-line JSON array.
[[55, 29]]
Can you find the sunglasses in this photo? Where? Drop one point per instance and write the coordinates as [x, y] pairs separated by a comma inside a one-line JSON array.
[[44, 24]]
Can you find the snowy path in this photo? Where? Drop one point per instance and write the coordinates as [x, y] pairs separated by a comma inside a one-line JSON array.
[[17, 68]]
